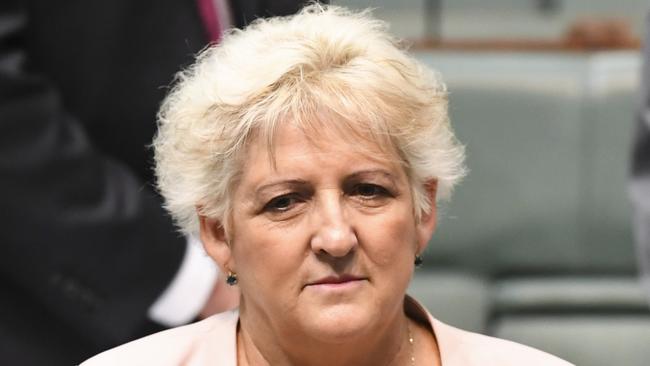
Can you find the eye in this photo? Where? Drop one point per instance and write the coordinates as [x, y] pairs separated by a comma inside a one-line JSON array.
[[369, 191], [282, 203]]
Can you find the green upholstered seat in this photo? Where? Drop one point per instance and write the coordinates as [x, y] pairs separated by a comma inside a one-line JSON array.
[[456, 297], [536, 244], [548, 139]]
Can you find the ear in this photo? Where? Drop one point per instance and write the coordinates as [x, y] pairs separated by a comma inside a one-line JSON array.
[[427, 224], [215, 243]]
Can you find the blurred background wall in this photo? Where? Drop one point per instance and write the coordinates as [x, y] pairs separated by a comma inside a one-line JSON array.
[[539, 19], [536, 244]]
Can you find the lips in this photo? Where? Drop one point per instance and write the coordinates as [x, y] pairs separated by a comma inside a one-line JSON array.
[[336, 280]]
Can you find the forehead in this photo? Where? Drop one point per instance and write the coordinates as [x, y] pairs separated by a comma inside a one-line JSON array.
[[294, 147]]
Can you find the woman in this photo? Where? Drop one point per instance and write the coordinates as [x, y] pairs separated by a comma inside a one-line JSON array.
[[309, 152]]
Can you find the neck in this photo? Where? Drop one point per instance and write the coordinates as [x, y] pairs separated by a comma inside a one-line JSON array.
[[259, 343]]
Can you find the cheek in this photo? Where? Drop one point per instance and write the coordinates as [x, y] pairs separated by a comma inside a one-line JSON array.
[[268, 257], [390, 241]]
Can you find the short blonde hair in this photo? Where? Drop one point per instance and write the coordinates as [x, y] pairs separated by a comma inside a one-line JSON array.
[[324, 60]]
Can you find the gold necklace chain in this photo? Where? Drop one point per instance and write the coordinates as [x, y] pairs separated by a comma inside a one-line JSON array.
[[411, 344]]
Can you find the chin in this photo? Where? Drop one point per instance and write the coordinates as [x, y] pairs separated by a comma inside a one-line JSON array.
[[340, 322]]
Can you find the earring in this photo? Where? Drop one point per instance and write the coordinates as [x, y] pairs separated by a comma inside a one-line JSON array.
[[231, 279], [418, 260]]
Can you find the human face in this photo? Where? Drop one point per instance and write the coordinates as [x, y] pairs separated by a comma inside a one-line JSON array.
[[322, 241]]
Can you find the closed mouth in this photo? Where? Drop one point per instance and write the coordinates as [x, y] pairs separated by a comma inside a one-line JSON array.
[[335, 280]]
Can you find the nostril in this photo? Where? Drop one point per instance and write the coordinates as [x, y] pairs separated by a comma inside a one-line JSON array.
[[334, 242]]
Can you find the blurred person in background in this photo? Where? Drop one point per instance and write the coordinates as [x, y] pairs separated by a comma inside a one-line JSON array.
[[310, 152], [640, 182], [88, 258]]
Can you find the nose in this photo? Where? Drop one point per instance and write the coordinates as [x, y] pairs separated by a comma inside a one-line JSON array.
[[334, 234]]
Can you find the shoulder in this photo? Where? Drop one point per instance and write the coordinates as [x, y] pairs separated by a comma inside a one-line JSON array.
[[210, 341], [459, 347], [462, 348]]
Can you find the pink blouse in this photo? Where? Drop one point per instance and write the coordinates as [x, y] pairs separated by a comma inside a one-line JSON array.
[[213, 342]]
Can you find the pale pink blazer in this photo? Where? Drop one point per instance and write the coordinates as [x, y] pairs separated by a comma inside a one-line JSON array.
[[213, 342]]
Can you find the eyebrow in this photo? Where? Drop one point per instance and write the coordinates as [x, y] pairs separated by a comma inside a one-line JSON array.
[[300, 182], [289, 182], [281, 182], [381, 172]]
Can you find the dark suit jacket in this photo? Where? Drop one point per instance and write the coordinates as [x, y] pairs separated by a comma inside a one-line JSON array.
[[85, 247]]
